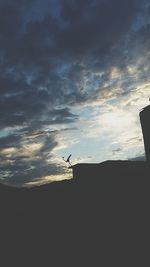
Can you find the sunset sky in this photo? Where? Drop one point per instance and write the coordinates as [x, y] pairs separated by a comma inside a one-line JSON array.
[[74, 75]]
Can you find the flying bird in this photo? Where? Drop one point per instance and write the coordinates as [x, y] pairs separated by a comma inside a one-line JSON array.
[[68, 160]]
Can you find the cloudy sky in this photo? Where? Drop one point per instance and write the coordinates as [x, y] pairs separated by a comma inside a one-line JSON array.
[[74, 75]]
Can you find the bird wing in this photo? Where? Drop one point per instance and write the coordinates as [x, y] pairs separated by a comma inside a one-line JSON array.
[[69, 157]]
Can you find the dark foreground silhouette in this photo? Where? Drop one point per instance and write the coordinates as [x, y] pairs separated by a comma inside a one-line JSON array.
[[99, 218]]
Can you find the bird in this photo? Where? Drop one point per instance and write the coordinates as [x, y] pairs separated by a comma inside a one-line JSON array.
[[68, 160]]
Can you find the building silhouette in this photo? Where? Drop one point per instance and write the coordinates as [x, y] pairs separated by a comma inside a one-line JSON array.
[[145, 124]]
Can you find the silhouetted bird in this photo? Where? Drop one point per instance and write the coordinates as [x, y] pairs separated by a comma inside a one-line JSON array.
[[68, 160]]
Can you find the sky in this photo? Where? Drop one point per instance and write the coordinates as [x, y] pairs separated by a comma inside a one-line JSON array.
[[74, 76]]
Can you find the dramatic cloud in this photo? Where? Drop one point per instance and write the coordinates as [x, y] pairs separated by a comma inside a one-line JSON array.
[[72, 73]]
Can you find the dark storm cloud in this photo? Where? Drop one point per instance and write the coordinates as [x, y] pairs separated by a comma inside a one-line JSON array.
[[9, 141], [46, 48], [26, 165], [21, 173], [90, 28], [94, 27], [141, 39], [83, 30]]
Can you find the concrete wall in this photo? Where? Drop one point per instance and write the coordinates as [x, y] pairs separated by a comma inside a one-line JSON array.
[[145, 124]]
